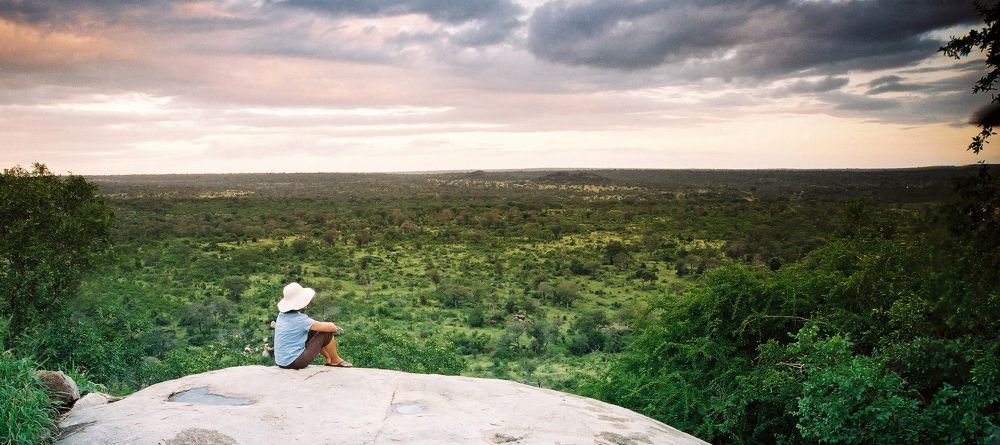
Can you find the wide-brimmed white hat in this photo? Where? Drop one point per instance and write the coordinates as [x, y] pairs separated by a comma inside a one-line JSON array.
[[295, 297]]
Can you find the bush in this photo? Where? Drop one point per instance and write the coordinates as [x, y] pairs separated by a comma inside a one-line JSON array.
[[477, 317], [642, 273], [195, 360], [105, 344], [453, 294], [299, 246], [374, 346], [851, 399], [25, 410], [473, 343], [906, 355], [565, 293], [581, 267]]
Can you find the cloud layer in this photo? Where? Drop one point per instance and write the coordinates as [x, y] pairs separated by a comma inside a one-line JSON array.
[[749, 38], [481, 83]]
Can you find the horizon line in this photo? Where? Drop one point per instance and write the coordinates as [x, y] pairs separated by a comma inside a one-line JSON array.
[[537, 169]]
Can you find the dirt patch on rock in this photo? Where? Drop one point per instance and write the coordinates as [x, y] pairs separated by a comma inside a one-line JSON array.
[[618, 439], [199, 436]]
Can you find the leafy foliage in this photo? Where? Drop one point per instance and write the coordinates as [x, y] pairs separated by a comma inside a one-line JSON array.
[[720, 361], [103, 344], [51, 230], [506, 276], [375, 347], [25, 411], [975, 217], [977, 211], [984, 39]]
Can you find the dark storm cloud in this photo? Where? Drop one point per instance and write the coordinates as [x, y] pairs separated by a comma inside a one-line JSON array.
[[441, 10], [973, 65], [885, 80], [150, 14], [961, 83], [487, 32], [951, 108], [829, 83], [946, 100], [750, 38], [892, 84], [57, 12], [860, 102]]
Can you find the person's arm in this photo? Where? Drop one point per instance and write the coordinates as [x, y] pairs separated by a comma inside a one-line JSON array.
[[323, 326]]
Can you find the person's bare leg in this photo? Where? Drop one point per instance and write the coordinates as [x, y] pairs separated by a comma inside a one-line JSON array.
[[330, 352]]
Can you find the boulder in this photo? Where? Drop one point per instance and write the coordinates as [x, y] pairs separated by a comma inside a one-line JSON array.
[[61, 388], [93, 399], [258, 404]]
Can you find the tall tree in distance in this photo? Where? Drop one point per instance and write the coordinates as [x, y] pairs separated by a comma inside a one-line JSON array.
[[52, 229]]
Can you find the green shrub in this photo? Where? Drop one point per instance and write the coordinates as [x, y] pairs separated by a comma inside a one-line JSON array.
[[477, 317], [24, 407], [851, 399], [197, 359], [373, 346], [104, 344], [565, 293], [84, 384], [473, 343], [906, 355], [453, 294]]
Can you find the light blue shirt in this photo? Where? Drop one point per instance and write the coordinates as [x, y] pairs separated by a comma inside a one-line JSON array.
[[290, 333]]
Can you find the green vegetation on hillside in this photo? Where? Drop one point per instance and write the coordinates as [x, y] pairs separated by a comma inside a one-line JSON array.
[[743, 307], [866, 340]]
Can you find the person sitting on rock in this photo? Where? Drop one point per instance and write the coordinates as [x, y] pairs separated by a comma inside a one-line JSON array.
[[298, 338]]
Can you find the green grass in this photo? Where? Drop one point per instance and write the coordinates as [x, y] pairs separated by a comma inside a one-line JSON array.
[[25, 410]]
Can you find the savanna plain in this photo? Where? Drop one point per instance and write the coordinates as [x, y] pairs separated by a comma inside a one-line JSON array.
[[791, 306]]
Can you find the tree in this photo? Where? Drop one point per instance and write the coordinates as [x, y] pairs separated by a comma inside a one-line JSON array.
[[198, 320], [642, 273], [545, 291], [299, 246], [364, 237], [612, 250], [978, 206], [236, 285], [453, 294], [331, 236], [565, 293], [541, 332], [52, 229], [985, 40]]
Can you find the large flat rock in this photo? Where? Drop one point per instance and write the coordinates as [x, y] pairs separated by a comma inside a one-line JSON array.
[[322, 405]]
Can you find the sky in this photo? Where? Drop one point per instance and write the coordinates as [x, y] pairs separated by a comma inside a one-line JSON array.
[[228, 86]]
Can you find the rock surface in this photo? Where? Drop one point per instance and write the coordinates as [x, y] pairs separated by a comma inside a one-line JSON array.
[[356, 406], [93, 399], [61, 388]]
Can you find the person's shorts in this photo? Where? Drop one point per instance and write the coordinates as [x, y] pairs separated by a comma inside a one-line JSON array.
[[315, 342]]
